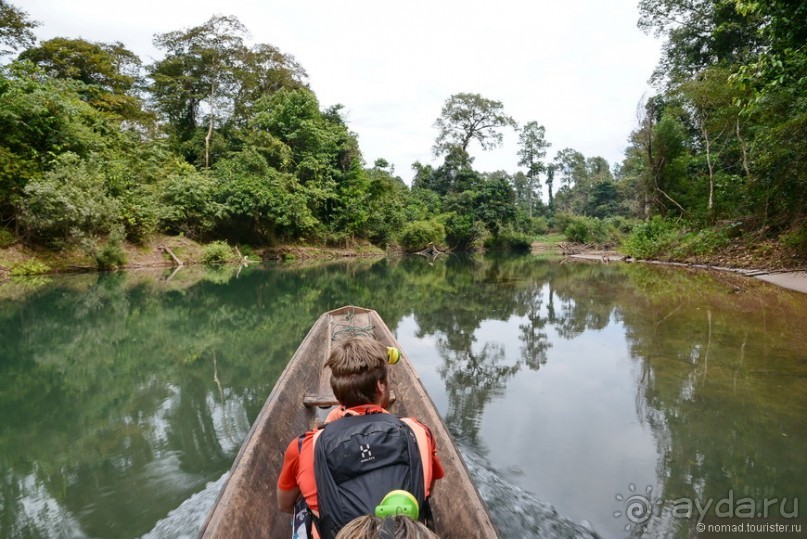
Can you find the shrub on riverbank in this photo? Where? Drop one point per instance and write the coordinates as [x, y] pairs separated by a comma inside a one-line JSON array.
[[417, 235], [582, 229], [111, 255], [650, 238], [217, 252]]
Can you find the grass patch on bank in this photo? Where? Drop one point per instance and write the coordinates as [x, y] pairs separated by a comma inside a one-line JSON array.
[[670, 240], [724, 244], [29, 267], [551, 237]]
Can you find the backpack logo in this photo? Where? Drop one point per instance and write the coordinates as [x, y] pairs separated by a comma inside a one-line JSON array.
[[366, 454]]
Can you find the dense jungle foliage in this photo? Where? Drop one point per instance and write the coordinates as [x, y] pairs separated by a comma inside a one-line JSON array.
[[221, 140]]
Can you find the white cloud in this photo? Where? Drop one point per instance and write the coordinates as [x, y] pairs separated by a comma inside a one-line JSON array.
[[578, 67]]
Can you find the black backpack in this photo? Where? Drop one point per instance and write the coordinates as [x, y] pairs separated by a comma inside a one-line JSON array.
[[357, 461]]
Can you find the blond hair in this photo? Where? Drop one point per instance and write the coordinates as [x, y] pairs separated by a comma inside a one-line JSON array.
[[373, 527], [357, 365]]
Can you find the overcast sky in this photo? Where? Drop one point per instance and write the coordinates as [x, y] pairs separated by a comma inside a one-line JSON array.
[[578, 67]]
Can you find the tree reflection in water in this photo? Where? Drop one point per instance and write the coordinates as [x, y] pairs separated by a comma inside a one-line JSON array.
[[535, 341], [472, 380]]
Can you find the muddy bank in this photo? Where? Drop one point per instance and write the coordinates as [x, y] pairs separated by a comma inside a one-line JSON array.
[[791, 279]]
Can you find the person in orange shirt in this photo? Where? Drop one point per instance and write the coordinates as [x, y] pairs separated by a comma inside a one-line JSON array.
[[344, 469]]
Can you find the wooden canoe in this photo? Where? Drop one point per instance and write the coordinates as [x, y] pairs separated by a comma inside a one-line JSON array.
[[247, 507]]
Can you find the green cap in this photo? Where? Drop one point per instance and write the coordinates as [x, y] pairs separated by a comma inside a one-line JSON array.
[[398, 502]]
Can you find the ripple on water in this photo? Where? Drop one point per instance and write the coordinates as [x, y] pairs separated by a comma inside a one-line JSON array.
[[518, 513], [186, 520]]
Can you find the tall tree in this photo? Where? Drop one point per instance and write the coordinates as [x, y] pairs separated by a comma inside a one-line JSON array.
[[532, 150], [550, 180], [15, 28], [199, 67], [596, 196], [711, 103], [466, 117], [570, 168], [661, 144], [423, 176]]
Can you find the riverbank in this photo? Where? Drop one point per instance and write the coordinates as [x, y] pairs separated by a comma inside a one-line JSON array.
[[168, 251], [161, 251], [793, 278]]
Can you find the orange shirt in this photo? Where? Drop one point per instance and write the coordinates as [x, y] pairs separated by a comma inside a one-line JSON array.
[[298, 462]]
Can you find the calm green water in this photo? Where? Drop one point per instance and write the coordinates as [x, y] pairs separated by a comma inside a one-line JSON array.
[[598, 389]]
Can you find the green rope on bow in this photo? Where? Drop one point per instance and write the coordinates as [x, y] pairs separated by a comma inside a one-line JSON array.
[[350, 329]]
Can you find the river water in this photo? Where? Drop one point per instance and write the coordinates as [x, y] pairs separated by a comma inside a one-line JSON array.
[[607, 399]]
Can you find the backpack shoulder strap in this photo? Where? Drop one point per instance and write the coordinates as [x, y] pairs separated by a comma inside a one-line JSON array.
[[424, 441]]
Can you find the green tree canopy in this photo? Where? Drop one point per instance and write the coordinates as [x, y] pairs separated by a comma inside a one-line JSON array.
[[42, 118], [263, 70], [699, 33], [109, 71], [15, 28], [455, 175], [466, 117]]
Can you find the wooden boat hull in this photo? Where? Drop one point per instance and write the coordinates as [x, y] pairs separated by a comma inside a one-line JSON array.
[[247, 504]]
